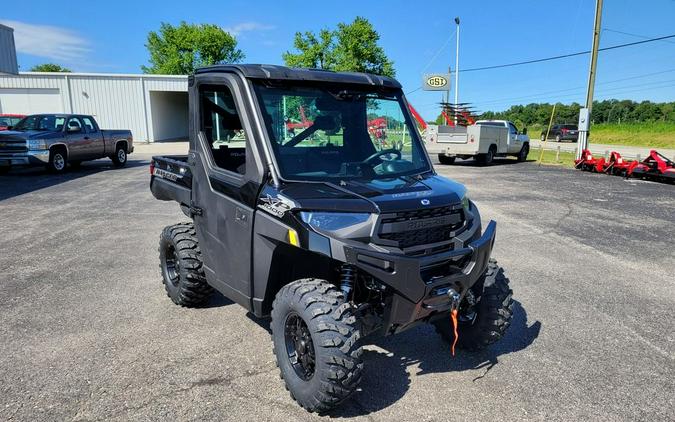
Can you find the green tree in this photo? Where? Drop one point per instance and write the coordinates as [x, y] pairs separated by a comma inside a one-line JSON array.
[[49, 67], [352, 47], [605, 111], [179, 50]]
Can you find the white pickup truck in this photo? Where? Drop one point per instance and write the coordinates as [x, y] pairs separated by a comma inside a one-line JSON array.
[[483, 141]]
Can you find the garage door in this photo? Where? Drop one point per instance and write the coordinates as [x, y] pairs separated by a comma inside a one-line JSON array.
[[30, 100]]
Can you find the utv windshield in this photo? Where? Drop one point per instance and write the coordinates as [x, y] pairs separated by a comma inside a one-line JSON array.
[[329, 133]]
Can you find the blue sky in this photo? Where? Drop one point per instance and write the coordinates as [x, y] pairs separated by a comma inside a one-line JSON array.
[[109, 37]]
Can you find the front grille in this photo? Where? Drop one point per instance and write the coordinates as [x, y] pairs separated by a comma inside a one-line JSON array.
[[421, 227], [11, 147]]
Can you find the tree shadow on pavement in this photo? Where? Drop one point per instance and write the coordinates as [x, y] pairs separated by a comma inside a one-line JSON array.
[[386, 378], [28, 179]]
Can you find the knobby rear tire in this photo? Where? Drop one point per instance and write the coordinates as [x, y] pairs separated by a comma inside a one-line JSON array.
[[186, 284]]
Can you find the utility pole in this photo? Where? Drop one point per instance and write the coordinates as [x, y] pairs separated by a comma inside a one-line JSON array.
[[585, 114], [456, 70]]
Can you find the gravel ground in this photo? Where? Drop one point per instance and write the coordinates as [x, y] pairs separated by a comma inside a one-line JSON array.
[[87, 332]]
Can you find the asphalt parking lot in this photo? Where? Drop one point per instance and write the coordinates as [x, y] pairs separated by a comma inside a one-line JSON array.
[[87, 332]]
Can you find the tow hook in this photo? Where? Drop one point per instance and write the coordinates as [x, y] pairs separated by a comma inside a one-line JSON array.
[[454, 305]]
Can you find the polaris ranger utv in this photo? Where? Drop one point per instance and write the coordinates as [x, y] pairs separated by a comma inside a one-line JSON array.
[[313, 200]]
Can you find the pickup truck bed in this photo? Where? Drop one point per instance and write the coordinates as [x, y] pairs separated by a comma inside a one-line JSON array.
[[171, 179]]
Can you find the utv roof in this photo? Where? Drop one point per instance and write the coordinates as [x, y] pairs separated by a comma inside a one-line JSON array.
[[268, 71]]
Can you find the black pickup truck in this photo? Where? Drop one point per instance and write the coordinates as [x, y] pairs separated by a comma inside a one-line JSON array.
[[55, 140], [334, 231]]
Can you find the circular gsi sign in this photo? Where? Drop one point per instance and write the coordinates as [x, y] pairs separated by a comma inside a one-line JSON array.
[[437, 81]]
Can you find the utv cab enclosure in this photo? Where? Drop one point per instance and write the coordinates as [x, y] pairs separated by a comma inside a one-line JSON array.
[[320, 225]]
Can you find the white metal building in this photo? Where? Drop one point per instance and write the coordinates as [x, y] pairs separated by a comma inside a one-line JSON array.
[[153, 107], [8, 62]]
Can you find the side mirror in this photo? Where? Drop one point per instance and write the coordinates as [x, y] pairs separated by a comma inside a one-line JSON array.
[[524, 131], [73, 128]]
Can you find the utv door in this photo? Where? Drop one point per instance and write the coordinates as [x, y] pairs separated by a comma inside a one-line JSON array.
[[226, 180]]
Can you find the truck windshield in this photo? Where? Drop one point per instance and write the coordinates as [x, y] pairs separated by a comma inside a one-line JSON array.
[[46, 122], [322, 132]]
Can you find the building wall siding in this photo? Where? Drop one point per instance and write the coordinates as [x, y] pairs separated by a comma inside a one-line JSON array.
[[117, 101]]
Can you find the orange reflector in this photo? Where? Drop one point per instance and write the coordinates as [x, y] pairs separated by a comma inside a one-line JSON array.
[[453, 317]]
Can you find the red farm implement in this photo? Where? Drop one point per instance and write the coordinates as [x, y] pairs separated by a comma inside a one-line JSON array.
[[618, 166], [589, 163], [655, 167]]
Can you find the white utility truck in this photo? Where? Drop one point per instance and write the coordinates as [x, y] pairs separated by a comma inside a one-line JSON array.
[[483, 141]]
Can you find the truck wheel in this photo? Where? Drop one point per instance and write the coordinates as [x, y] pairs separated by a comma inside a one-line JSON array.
[[522, 155], [543, 137], [486, 159], [489, 319], [444, 159], [558, 138], [57, 161], [316, 342], [120, 157], [180, 262]]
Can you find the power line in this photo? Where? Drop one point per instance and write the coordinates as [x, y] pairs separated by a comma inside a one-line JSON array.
[[648, 86], [564, 56], [631, 34], [439, 51], [545, 93]]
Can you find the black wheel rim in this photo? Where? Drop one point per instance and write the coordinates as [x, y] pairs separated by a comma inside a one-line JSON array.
[[299, 347], [172, 266]]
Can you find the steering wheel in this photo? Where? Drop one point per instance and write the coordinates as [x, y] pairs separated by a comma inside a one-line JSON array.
[[378, 154]]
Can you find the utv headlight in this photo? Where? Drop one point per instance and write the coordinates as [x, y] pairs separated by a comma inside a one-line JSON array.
[[36, 144], [333, 221]]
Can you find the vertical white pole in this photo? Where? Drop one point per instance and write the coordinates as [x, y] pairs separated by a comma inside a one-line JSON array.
[[457, 71]]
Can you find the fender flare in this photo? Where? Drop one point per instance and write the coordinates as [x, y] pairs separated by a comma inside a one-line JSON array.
[[126, 142], [63, 144]]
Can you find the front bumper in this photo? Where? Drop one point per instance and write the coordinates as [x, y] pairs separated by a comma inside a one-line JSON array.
[[421, 284], [27, 158]]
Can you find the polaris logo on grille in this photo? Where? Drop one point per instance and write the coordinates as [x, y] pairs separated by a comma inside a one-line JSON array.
[[425, 202]]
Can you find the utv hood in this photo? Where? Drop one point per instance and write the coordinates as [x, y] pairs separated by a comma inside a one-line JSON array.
[[377, 195]]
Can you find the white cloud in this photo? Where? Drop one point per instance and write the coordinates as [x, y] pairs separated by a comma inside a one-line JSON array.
[[51, 42], [248, 27]]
